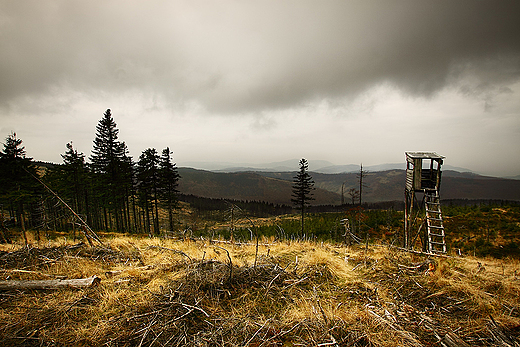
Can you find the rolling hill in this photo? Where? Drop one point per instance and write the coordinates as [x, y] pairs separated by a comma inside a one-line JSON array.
[[275, 187], [245, 186]]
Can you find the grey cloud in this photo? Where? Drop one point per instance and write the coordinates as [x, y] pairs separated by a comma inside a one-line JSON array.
[[263, 123], [250, 56]]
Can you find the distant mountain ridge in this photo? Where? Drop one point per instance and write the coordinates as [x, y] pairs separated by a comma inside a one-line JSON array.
[[320, 166], [251, 186], [286, 165], [276, 187]]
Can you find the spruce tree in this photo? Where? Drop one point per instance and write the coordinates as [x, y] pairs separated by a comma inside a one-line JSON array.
[[74, 177], [147, 186], [303, 186], [127, 168], [169, 181], [109, 163], [18, 189]]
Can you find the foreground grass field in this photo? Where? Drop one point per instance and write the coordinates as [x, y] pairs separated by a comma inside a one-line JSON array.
[[161, 292]]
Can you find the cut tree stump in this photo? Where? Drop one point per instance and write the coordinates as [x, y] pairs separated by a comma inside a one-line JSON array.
[[49, 284]]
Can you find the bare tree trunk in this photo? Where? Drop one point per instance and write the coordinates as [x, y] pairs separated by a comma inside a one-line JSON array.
[[302, 221], [156, 224], [22, 222]]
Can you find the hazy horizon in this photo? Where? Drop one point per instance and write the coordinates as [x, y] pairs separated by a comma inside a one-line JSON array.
[[315, 165]]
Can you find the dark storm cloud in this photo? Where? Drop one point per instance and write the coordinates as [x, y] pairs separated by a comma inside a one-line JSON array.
[[233, 56]]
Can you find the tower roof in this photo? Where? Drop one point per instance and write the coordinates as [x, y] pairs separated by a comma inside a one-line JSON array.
[[424, 155]]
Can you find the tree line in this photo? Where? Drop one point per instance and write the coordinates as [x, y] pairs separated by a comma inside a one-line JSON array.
[[110, 190], [253, 207]]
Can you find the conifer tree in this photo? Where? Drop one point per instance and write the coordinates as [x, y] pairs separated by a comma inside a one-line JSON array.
[[74, 177], [109, 162], [128, 187], [303, 186], [17, 186], [147, 186], [169, 181], [71, 181]]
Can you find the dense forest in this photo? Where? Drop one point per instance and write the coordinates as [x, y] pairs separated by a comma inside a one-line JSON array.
[[109, 191]]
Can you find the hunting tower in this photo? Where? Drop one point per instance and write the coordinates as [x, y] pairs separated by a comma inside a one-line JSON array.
[[422, 209]]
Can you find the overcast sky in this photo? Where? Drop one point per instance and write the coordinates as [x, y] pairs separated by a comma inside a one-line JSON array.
[[263, 81]]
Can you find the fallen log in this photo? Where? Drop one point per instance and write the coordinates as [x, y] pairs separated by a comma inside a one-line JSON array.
[[49, 284]]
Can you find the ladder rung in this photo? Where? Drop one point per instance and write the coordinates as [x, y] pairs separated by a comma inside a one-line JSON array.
[[437, 243], [435, 234], [436, 226], [435, 219], [433, 211]]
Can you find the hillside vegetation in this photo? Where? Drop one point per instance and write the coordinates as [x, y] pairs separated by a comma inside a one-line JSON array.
[[478, 230], [275, 187], [162, 292], [245, 186]]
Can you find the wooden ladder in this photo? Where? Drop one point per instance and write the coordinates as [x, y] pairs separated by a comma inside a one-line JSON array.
[[436, 236]]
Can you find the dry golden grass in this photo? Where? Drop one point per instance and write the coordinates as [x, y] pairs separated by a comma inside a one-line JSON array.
[[161, 292]]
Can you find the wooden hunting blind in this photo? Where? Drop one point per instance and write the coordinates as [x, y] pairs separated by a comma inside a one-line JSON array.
[[423, 217]]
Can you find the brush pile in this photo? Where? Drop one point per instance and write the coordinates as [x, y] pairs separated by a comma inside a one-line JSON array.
[[34, 257], [166, 293]]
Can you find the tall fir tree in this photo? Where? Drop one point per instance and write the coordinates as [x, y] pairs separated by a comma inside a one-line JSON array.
[[74, 175], [303, 185], [147, 187], [169, 181], [18, 188], [127, 168], [108, 164]]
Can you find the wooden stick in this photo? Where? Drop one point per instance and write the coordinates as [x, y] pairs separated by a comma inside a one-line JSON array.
[[194, 308], [256, 333], [49, 284], [171, 250], [230, 263]]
